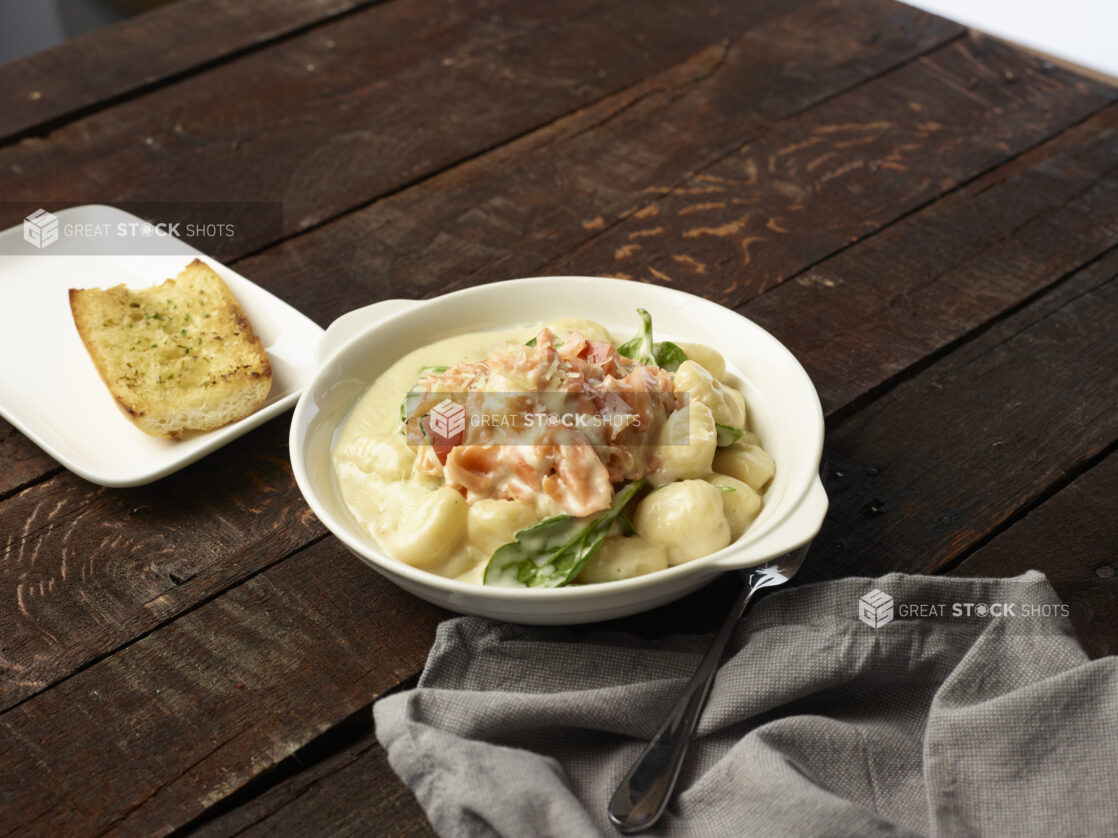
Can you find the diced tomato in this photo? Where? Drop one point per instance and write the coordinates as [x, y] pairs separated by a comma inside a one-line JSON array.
[[442, 446]]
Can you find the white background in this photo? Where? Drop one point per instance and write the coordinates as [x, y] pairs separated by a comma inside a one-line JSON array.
[[1082, 32]]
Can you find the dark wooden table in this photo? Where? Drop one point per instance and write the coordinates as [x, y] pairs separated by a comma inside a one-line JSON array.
[[926, 218]]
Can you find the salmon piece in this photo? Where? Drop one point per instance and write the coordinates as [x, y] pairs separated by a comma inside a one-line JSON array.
[[456, 379], [592, 359], [535, 365], [574, 466], [579, 482], [604, 356], [647, 391], [563, 466], [573, 347], [491, 471]]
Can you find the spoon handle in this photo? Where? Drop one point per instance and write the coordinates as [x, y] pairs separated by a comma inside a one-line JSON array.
[[644, 793]]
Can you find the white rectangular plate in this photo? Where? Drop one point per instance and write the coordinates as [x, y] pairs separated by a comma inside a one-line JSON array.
[[49, 388]]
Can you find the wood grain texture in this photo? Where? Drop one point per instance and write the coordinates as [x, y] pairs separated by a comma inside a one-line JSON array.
[[945, 459], [352, 792], [897, 297], [531, 200], [23, 461], [835, 174], [609, 201], [163, 725], [1071, 537], [85, 570], [328, 120], [838, 58], [962, 344], [135, 54]]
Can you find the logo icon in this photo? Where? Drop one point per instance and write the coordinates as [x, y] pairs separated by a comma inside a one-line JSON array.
[[875, 609], [447, 419], [40, 228]]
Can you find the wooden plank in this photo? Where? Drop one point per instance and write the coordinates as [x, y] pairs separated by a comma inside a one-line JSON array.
[[1072, 318], [1081, 69], [841, 60], [622, 192], [330, 119], [163, 726], [921, 284], [294, 730], [928, 470], [955, 453], [88, 569], [140, 52], [804, 55], [24, 462], [1071, 537], [842, 171], [352, 792]]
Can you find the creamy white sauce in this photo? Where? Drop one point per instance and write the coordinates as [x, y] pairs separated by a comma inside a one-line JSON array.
[[415, 517], [381, 496]]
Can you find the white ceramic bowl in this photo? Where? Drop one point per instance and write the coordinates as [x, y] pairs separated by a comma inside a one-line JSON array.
[[784, 411]]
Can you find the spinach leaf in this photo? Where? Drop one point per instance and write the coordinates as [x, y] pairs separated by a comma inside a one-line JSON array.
[[728, 434], [641, 349], [553, 551], [668, 355]]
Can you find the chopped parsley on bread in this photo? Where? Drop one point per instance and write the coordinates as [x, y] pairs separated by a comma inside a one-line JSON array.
[[177, 357]]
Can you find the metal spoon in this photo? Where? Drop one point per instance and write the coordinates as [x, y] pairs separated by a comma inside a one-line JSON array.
[[643, 795]]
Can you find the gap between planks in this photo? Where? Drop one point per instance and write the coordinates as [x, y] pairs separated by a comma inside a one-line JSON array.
[[960, 342], [42, 128], [846, 411], [1048, 493], [582, 110]]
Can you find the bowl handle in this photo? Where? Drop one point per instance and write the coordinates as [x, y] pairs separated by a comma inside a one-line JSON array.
[[353, 322], [800, 527]]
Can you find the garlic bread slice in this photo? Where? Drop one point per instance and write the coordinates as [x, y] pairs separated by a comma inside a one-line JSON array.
[[176, 357]]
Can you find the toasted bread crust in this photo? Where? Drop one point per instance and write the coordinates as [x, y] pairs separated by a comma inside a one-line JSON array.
[[176, 357]]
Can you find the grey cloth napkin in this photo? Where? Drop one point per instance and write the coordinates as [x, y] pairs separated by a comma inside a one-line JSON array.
[[818, 723]]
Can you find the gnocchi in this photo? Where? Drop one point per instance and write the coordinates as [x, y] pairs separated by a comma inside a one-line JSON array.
[[385, 456], [623, 558], [749, 463], [587, 328], [491, 523], [740, 503], [433, 531], [726, 404], [686, 445], [709, 359], [750, 438], [583, 502], [686, 519]]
